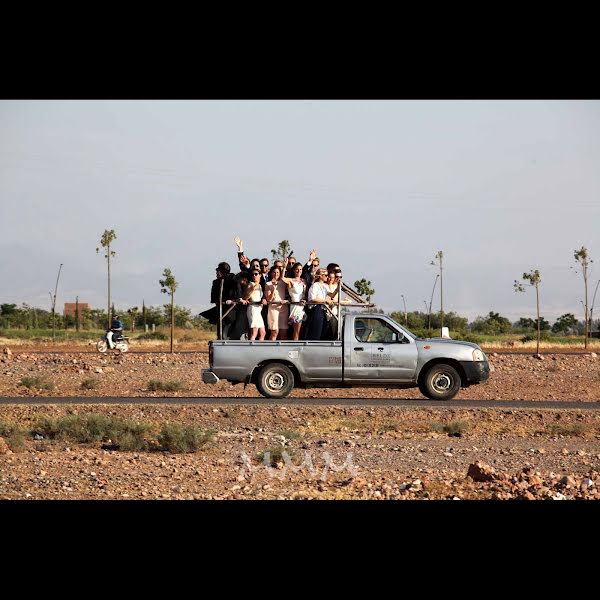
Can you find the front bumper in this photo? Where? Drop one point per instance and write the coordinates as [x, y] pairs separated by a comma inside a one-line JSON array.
[[209, 377], [476, 371]]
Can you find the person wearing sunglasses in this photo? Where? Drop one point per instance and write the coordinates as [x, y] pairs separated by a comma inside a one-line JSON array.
[[320, 294], [297, 290], [277, 315], [310, 269], [256, 301]]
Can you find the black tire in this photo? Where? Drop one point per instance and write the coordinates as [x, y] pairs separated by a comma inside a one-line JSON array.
[[440, 382], [275, 381]]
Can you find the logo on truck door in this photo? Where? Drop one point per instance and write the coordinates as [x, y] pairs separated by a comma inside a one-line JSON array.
[[293, 354], [335, 360]]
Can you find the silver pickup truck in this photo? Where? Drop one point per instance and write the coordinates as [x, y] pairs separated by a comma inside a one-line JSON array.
[[374, 350]]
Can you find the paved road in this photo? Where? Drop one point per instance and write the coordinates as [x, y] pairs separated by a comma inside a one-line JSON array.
[[23, 350], [416, 403]]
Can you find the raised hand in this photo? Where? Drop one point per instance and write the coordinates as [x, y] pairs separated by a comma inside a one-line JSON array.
[[239, 243], [245, 260], [313, 255]]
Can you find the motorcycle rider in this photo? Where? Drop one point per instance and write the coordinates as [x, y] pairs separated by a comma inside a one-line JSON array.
[[116, 331]]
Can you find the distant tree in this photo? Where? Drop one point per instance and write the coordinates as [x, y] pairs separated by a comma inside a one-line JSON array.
[[534, 278], [182, 315], [564, 323], [203, 323], [451, 320], [363, 287], [525, 323], [154, 316], [492, 324], [282, 251], [582, 258], [133, 313], [108, 237], [168, 285]]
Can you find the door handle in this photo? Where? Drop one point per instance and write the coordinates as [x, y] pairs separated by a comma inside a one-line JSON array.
[[380, 349], [359, 348]]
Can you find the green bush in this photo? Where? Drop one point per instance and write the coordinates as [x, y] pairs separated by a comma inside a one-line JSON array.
[[453, 428], [275, 455], [155, 385], [89, 383], [178, 438], [154, 335], [13, 435], [92, 427], [36, 382], [571, 429]]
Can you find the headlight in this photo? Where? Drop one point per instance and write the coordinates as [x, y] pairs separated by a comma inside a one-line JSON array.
[[478, 355]]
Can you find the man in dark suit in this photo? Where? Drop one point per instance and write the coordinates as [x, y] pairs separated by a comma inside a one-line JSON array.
[[231, 292]]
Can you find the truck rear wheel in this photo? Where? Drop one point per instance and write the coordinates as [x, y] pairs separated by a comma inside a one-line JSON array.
[[275, 381], [441, 382]]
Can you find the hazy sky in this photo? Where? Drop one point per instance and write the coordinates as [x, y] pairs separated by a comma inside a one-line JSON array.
[[378, 186]]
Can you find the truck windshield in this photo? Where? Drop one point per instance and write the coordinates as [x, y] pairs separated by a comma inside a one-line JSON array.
[[402, 328]]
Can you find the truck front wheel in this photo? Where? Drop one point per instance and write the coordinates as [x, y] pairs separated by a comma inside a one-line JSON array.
[[441, 382], [275, 381]]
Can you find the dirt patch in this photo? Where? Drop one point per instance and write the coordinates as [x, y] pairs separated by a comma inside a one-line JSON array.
[[323, 452], [514, 377]]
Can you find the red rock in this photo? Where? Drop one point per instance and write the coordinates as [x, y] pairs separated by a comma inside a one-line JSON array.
[[479, 471]]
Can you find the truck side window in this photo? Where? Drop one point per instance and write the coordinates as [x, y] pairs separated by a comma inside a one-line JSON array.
[[374, 331]]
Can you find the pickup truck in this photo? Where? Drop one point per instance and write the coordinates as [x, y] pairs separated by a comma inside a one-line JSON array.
[[373, 350]]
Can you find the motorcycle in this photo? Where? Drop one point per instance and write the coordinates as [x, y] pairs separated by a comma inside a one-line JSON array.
[[122, 344]]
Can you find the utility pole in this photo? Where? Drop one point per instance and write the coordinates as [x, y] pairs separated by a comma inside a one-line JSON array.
[[144, 313], [592, 309], [431, 301], [405, 313], [54, 301], [77, 314], [440, 257]]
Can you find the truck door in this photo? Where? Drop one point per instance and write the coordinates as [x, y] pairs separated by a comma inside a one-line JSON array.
[[378, 352]]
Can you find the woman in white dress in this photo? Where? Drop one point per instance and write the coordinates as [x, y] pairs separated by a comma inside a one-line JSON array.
[[331, 318], [277, 316], [254, 295], [297, 290]]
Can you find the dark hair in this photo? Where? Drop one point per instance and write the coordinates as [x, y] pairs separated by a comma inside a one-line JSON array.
[[224, 268], [274, 268], [263, 259], [255, 260], [332, 267]]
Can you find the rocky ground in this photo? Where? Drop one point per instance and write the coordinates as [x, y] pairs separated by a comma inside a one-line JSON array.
[[316, 452], [514, 377]]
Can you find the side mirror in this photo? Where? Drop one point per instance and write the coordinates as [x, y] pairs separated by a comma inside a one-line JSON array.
[[445, 332]]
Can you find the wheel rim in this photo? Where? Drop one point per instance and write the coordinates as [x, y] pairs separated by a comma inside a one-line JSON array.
[[275, 382], [442, 382]]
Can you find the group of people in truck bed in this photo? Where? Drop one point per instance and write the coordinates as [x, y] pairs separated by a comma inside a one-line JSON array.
[[270, 299]]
